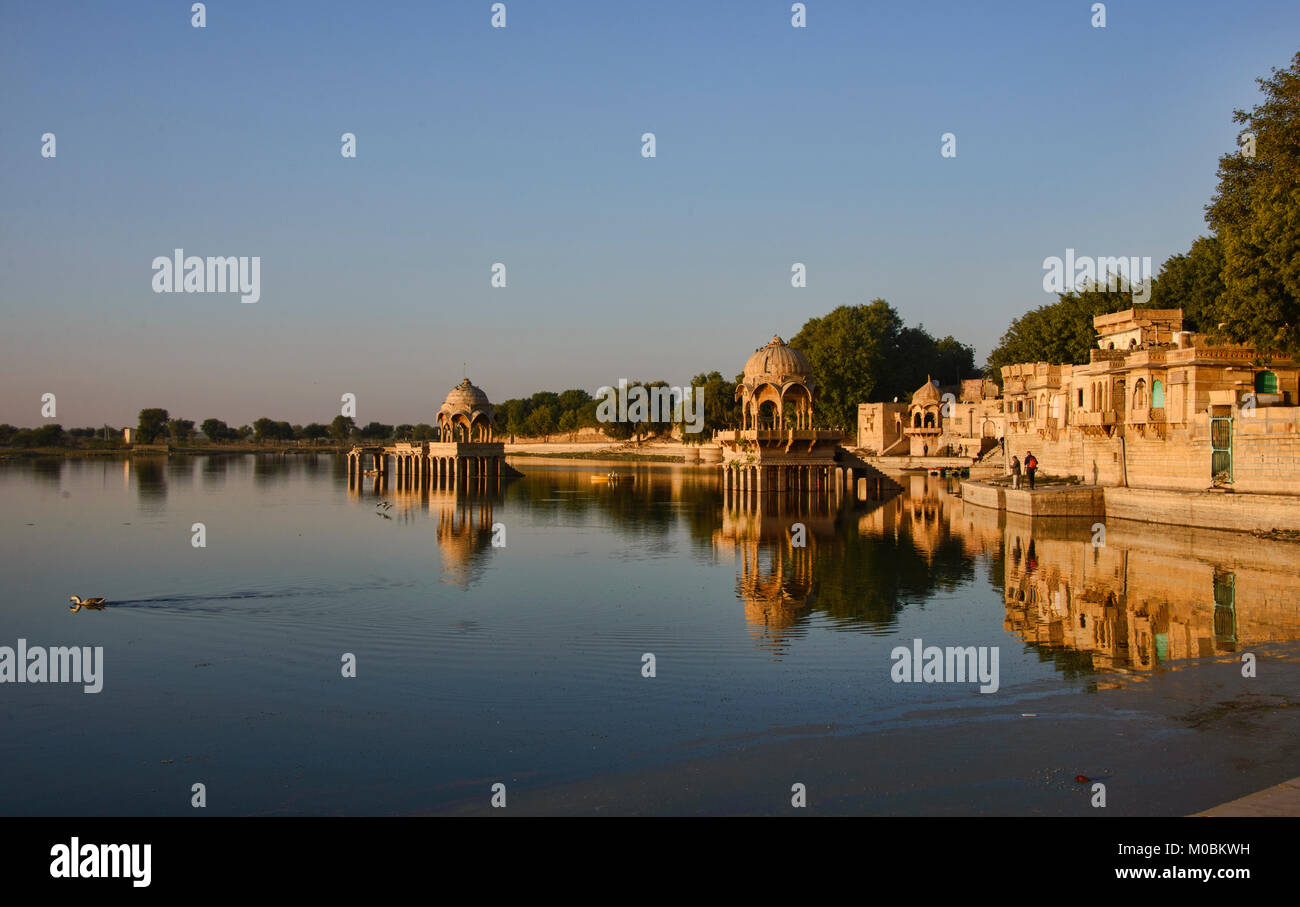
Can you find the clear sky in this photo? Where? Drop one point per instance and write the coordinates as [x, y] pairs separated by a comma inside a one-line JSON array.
[[522, 145]]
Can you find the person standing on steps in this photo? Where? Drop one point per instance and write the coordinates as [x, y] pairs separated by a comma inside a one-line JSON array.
[[1031, 466], [1015, 472]]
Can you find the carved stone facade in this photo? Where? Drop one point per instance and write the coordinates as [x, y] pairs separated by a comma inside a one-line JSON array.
[[1159, 407]]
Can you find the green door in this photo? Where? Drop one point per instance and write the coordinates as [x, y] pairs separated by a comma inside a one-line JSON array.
[[1225, 607], [1221, 446]]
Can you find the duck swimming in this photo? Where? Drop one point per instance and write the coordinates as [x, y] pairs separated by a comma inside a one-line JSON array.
[[95, 604]]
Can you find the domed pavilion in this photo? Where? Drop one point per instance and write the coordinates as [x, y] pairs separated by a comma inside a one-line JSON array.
[[776, 391], [466, 452], [776, 449], [466, 414]]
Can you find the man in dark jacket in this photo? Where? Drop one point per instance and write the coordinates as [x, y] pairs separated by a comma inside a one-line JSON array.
[[1031, 467]]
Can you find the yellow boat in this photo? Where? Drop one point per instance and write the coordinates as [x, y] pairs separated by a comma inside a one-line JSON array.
[[611, 478]]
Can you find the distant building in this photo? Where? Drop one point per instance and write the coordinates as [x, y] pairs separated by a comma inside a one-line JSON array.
[[128, 435], [963, 420]]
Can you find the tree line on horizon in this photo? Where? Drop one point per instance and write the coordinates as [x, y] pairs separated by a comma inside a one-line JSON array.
[[857, 353]]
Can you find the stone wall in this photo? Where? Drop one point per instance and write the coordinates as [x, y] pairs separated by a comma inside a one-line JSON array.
[[1266, 454]]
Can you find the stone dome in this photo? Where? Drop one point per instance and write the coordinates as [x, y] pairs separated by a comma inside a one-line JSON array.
[[778, 360], [926, 393], [466, 397]]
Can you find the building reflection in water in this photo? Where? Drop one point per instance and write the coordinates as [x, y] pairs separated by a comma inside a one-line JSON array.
[[776, 578], [463, 514], [1147, 598], [1150, 595]]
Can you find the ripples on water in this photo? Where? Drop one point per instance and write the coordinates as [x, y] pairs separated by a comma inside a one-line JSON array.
[[477, 661]]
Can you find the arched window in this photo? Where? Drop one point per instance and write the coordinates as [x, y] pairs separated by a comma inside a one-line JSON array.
[[916, 419], [1140, 394], [1157, 394], [929, 420], [1265, 383]]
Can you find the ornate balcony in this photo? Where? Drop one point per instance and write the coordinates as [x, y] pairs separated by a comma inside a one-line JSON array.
[[1101, 419]]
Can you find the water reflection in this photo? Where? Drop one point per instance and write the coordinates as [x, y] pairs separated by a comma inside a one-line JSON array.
[[861, 564], [214, 471], [1150, 596], [464, 517], [150, 476]]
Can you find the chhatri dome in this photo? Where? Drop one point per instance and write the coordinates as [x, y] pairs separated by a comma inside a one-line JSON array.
[[924, 412], [466, 414], [777, 389], [778, 360], [926, 393]]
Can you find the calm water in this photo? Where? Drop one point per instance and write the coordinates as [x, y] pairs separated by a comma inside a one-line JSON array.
[[523, 663]]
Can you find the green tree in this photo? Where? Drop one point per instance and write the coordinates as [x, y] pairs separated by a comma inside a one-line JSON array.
[[1058, 333], [573, 400], [1193, 281], [153, 422], [1255, 213], [216, 430], [542, 421], [848, 349], [953, 361], [568, 423], [721, 409], [864, 352], [49, 435], [263, 429], [511, 416], [376, 431], [342, 428], [544, 398], [180, 430]]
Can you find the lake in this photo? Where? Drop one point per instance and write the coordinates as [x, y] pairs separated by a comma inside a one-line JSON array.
[[501, 635]]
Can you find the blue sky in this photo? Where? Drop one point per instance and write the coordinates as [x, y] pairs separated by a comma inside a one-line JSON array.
[[522, 145]]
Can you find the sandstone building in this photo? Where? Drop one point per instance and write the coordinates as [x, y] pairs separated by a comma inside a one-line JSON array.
[[1159, 407], [1155, 406]]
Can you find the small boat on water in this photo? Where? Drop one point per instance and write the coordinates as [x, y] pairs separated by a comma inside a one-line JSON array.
[[613, 478]]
